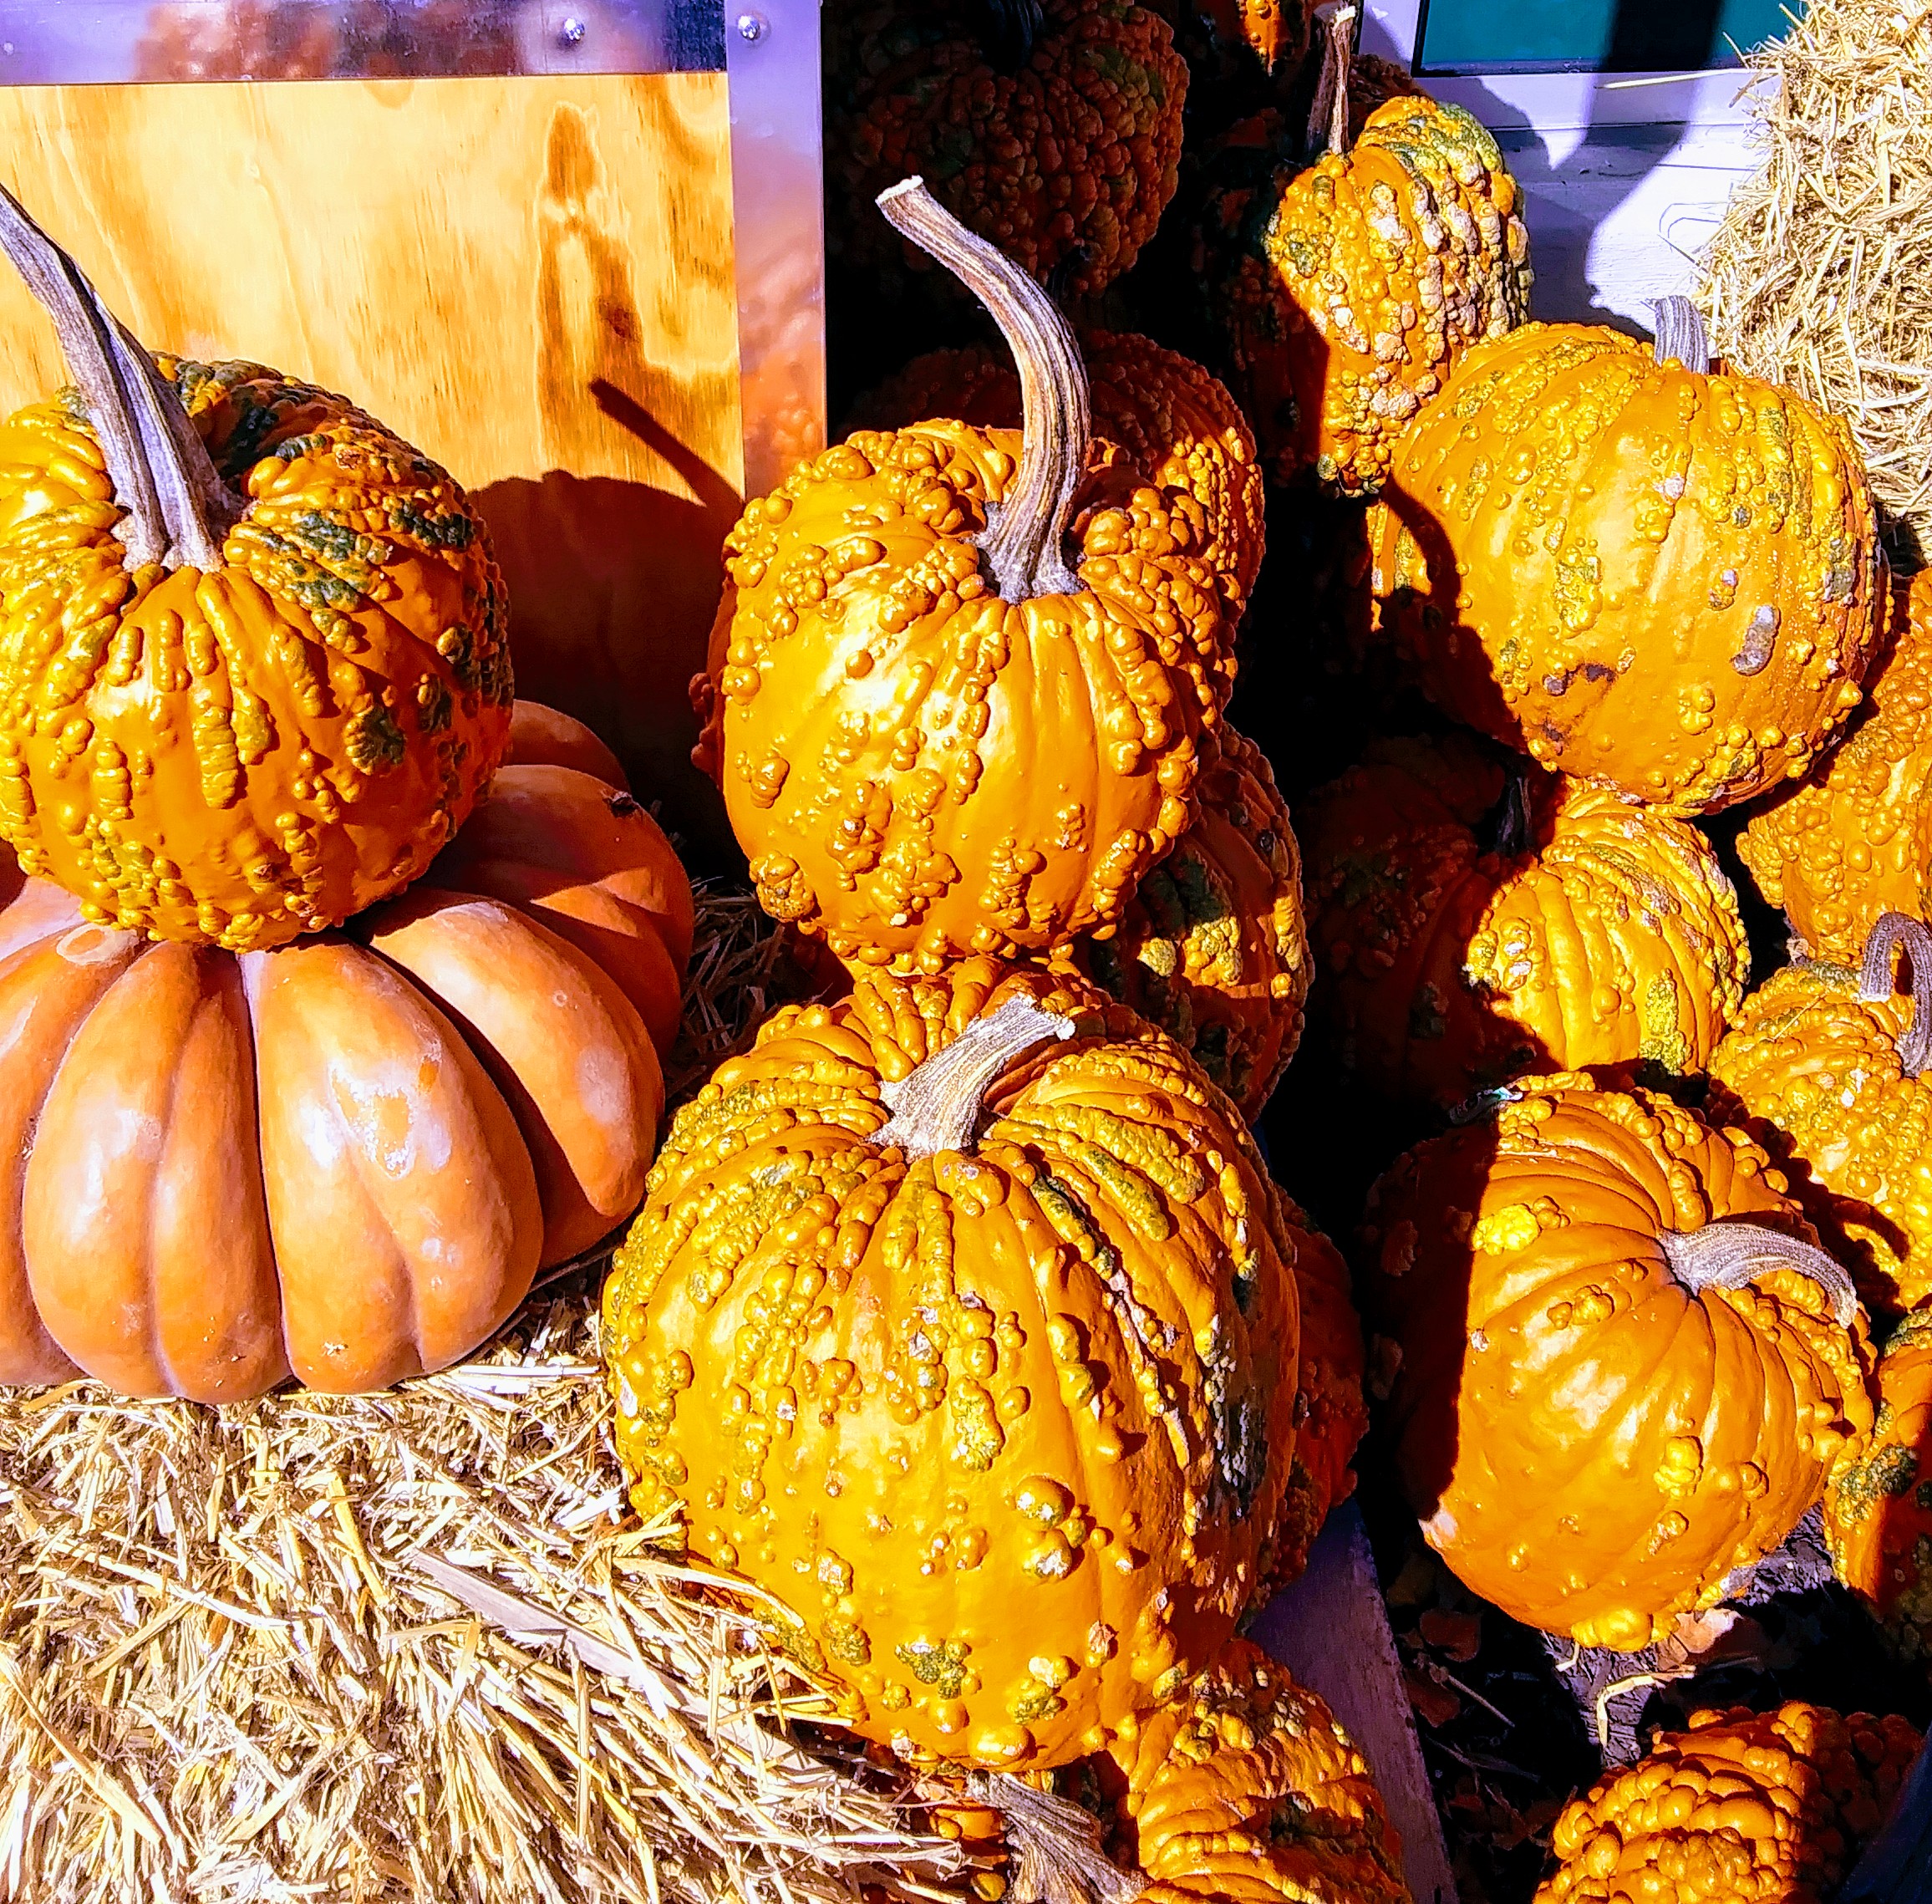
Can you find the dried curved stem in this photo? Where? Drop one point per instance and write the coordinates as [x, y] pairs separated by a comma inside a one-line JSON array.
[[1328, 117], [1679, 333], [1876, 982], [1023, 538], [937, 1105], [178, 508], [1729, 1254]]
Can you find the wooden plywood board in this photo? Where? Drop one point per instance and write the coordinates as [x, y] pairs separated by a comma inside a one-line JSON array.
[[530, 279]]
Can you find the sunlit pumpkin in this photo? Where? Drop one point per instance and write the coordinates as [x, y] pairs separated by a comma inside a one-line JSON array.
[[938, 737], [1854, 841], [1653, 575], [1824, 1065], [1212, 946], [1879, 1510], [1470, 925], [959, 1318], [1619, 1367], [1174, 421], [1346, 291], [1773, 1808], [343, 1160], [254, 668]]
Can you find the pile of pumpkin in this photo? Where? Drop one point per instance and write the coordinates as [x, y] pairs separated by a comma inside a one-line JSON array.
[[962, 1316]]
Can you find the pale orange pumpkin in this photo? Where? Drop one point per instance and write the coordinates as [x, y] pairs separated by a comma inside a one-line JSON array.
[[343, 1159]]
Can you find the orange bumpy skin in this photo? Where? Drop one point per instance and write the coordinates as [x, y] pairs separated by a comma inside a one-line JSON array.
[[1613, 938], [1360, 280], [1662, 582], [919, 770], [1879, 1510], [1745, 1808], [1813, 1072], [1175, 421], [1278, 30], [1006, 1430], [1067, 163], [1855, 841], [1212, 946], [1249, 1789], [1595, 1447], [239, 757]]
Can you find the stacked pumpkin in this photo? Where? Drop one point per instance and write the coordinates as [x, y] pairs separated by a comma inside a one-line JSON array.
[[974, 1282], [265, 1111]]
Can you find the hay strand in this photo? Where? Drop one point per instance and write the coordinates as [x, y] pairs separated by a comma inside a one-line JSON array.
[[407, 1646], [1820, 276]]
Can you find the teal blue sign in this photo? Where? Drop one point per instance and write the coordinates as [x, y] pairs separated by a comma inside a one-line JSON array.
[[1592, 36]]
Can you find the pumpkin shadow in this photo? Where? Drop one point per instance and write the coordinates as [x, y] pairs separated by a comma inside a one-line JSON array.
[[613, 585]]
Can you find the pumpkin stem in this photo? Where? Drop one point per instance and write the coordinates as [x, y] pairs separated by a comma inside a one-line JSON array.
[[1680, 334], [1012, 26], [937, 1105], [1876, 982], [1731, 1254], [1328, 117], [1511, 828], [1023, 536], [178, 508], [1053, 1845]]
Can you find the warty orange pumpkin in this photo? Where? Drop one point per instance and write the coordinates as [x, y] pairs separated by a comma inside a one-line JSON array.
[[1745, 1808], [254, 660], [1212, 946], [1619, 1368], [1823, 1066], [343, 1160], [961, 677], [1174, 421], [958, 1320], [1347, 291], [1635, 569], [1853, 841], [1878, 1508], [1471, 924], [1051, 128]]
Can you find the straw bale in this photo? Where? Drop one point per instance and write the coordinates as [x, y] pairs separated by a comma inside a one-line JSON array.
[[405, 1647], [1820, 276]]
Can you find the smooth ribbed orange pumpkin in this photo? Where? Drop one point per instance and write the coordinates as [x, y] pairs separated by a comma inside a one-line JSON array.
[[1744, 1808], [254, 662], [1468, 930], [1879, 1509], [1824, 1067], [1653, 575], [1212, 946], [1349, 288], [1623, 1368], [962, 676], [343, 1160], [957, 1319], [1174, 420], [1854, 841]]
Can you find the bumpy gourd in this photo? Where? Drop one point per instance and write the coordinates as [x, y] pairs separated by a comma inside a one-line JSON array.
[[1352, 287], [1249, 1789], [1823, 1066], [1174, 421], [1052, 130], [1212, 946], [1879, 1509], [1622, 1369], [254, 660], [1278, 31], [964, 673], [1659, 579], [1469, 931], [956, 1318], [1854, 841], [1748, 1808], [342, 1160]]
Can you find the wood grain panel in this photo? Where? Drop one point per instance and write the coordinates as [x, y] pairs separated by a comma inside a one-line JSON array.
[[530, 279]]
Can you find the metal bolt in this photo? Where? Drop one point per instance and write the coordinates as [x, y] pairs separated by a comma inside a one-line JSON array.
[[753, 28], [572, 31]]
